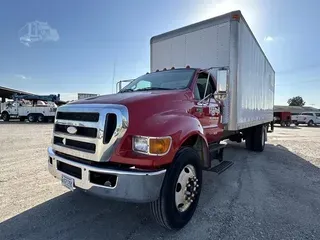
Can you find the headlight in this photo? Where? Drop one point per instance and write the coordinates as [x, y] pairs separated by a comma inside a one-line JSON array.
[[141, 144], [151, 145]]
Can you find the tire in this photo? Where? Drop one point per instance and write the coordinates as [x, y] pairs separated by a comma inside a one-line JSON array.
[[51, 119], [288, 124], [283, 124], [259, 138], [165, 210], [5, 116], [297, 124], [250, 139], [41, 118], [255, 140], [310, 123], [32, 117]]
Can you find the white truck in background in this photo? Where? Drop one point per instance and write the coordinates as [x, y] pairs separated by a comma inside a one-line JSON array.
[[309, 118], [34, 108]]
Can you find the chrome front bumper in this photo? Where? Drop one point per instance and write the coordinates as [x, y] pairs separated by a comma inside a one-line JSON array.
[[131, 186]]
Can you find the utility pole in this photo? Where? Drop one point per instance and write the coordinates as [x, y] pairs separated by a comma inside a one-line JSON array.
[[114, 73]]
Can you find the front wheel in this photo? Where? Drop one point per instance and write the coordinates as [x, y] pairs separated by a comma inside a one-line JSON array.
[[310, 123], [180, 190], [5, 116]]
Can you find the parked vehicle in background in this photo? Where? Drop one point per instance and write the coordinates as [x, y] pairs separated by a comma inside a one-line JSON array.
[[151, 141], [34, 108], [310, 118], [282, 118]]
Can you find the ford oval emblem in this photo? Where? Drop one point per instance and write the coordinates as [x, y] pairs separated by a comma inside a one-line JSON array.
[[72, 130]]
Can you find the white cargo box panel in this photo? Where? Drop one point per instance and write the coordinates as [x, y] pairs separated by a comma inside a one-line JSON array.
[[225, 41]]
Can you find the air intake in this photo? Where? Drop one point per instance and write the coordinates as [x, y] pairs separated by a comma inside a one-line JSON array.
[[110, 127]]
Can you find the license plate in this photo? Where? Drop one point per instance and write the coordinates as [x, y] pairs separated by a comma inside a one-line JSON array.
[[68, 182]]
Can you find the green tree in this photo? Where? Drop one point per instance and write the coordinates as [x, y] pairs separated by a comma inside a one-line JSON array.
[[296, 101]]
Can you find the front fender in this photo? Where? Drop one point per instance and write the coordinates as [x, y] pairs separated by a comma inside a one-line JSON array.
[[180, 126]]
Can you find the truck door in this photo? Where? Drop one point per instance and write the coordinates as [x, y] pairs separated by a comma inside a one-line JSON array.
[[12, 108], [317, 118], [207, 109]]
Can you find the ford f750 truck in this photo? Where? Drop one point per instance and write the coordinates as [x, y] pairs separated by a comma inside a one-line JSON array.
[[149, 142]]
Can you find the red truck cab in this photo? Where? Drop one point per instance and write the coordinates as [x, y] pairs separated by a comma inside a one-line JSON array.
[[147, 143]]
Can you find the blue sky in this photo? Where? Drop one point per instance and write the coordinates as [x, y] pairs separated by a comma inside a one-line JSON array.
[[93, 35]]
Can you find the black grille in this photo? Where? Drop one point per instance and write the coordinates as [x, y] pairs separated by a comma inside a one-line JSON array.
[[81, 131], [79, 116], [110, 127], [68, 169], [87, 147]]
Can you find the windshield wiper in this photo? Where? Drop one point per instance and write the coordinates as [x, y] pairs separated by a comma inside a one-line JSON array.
[[153, 88], [126, 90]]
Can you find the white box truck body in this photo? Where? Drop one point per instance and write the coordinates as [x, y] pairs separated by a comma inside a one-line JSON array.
[[224, 42]]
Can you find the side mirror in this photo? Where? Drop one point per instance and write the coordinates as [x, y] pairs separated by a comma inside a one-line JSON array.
[[222, 78]]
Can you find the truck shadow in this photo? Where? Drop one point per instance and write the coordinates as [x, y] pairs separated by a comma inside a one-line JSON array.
[[291, 127], [80, 216]]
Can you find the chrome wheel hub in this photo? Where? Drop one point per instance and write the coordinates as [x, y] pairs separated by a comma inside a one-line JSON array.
[[186, 188]]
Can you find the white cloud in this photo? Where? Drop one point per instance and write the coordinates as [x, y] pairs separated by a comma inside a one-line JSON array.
[[268, 39], [23, 77], [273, 39]]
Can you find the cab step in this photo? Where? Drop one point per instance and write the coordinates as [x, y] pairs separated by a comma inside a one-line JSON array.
[[220, 168], [216, 151]]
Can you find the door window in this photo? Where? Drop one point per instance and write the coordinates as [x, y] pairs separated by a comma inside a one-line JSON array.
[[200, 88]]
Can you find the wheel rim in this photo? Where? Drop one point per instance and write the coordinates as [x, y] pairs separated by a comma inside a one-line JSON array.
[[31, 118], [186, 188], [40, 119]]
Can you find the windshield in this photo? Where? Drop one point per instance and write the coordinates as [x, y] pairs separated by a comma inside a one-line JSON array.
[[165, 80]]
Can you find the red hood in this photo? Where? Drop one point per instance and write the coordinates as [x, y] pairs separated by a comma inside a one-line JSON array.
[[133, 97]]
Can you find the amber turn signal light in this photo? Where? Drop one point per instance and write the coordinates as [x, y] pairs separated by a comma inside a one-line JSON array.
[[159, 145]]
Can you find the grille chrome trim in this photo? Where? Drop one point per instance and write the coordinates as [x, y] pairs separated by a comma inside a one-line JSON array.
[[103, 151], [75, 137], [76, 123]]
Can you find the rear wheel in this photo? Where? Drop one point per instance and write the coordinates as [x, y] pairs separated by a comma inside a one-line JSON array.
[[310, 123], [283, 124], [255, 139], [41, 118], [259, 138], [5, 116], [288, 124], [180, 190], [32, 117]]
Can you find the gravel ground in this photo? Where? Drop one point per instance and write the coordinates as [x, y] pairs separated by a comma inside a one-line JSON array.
[[269, 195]]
